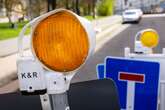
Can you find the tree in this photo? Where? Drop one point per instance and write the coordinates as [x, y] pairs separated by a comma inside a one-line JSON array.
[[85, 7], [77, 7], [52, 4], [23, 7], [93, 8], [67, 4], [9, 6], [1, 4], [36, 8], [105, 7], [88, 7]]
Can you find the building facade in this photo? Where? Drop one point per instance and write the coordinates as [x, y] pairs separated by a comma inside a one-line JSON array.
[[125, 4]]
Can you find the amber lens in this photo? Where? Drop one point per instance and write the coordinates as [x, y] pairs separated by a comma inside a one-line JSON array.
[[60, 42], [149, 39]]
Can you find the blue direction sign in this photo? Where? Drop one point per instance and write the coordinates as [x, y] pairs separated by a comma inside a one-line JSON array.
[[137, 82]]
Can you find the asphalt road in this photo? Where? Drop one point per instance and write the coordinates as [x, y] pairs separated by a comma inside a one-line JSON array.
[[115, 47]]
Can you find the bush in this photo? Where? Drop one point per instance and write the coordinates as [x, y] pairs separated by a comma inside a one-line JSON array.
[[105, 7]]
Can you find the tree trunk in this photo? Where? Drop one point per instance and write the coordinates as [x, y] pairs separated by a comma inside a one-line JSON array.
[[73, 5], [30, 9], [9, 18], [48, 5], [54, 4], [77, 7], [84, 11], [11, 24], [51, 4], [89, 9], [67, 4], [93, 9]]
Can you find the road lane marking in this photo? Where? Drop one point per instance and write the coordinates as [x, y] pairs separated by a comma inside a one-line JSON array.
[[153, 15]]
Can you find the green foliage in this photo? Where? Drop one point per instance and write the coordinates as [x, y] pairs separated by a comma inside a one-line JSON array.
[[90, 18], [7, 32], [105, 7]]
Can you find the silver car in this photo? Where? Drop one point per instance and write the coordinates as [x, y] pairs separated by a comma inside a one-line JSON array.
[[132, 15]]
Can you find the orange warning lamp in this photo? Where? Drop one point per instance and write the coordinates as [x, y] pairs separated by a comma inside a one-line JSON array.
[[62, 41], [149, 38]]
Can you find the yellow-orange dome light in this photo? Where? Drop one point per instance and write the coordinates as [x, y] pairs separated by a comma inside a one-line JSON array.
[[61, 41], [149, 38]]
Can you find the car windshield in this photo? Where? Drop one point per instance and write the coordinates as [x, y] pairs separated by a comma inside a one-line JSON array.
[[130, 13]]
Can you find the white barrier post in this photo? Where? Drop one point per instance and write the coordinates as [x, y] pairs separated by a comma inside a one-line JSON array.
[[144, 53]]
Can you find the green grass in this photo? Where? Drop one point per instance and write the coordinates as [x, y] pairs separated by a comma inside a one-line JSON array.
[[91, 17], [6, 32]]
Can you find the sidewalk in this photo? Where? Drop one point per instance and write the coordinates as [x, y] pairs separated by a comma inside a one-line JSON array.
[[4, 20], [104, 23], [8, 47], [8, 67]]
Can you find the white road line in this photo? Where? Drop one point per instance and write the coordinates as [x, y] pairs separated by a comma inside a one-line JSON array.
[[153, 15]]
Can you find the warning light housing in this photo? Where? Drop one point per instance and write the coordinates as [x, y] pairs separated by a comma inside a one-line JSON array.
[[62, 41]]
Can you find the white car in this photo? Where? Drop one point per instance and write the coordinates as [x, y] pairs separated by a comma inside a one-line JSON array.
[[140, 12], [132, 15]]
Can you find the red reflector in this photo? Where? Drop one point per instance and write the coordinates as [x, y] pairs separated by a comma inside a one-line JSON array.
[[131, 77]]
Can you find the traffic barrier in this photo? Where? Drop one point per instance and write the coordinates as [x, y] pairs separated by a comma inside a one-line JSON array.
[[148, 39], [127, 68]]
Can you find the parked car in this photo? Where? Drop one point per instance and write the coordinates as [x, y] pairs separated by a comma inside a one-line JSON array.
[[140, 12], [132, 15]]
